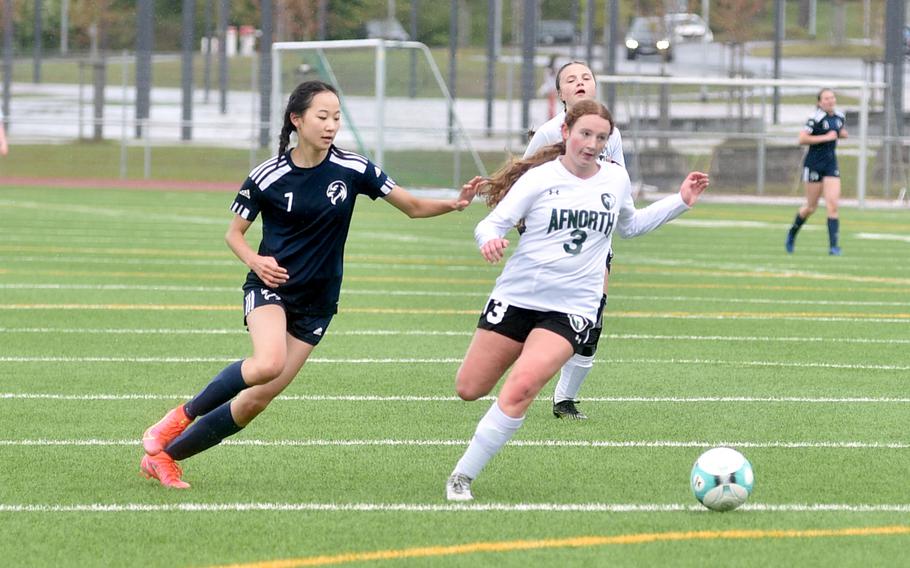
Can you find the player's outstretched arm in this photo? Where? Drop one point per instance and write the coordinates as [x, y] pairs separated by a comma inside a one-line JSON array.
[[693, 186], [419, 207]]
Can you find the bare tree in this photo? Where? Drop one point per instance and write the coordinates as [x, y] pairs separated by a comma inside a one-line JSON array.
[[299, 21]]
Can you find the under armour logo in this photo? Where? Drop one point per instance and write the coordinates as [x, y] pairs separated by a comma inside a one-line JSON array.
[[552, 191]]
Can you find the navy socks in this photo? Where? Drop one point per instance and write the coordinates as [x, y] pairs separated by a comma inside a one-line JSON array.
[[833, 230], [221, 389], [207, 432], [797, 224]]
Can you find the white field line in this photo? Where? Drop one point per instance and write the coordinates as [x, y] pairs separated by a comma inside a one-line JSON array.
[[44, 442], [883, 237], [871, 318], [418, 398], [419, 333], [459, 508], [452, 360], [227, 289], [632, 264], [169, 261], [126, 214], [446, 294]]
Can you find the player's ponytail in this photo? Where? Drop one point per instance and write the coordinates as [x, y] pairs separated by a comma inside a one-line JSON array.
[[299, 101], [284, 139], [501, 182]]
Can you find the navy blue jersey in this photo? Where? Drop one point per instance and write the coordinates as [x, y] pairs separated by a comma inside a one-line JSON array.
[[306, 214], [822, 155]]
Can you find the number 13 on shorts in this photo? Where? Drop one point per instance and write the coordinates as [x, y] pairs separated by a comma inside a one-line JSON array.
[[495, 311]]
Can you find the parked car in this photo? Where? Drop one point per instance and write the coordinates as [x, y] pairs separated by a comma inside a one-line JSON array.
[[550, 32], [386, 29], [688, 27], [906, 40], [647, 36]]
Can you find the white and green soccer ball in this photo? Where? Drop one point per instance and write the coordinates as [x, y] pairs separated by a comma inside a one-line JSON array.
[[722, 479]]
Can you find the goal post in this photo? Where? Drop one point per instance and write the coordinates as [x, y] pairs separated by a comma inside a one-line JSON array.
[[373, 121]]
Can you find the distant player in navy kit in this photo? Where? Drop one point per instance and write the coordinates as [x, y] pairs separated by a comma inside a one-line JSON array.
[[820, 171], [544, 303], [306, 199]]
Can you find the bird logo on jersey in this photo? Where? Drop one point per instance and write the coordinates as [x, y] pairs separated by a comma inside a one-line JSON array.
[[608, 199], [578, 323], [337, 191]]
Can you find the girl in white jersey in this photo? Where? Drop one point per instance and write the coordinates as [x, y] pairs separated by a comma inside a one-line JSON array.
[[547, 296], [575, 82]]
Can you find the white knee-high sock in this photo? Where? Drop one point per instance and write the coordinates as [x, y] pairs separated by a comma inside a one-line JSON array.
[[493, 431], [573, 374]]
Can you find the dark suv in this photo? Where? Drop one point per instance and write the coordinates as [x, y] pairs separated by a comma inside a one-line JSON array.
[[648, 36]]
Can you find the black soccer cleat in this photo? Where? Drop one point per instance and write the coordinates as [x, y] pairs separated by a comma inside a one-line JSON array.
[[566, 409]]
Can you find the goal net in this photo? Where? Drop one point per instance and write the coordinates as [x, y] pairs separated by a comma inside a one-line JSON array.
[[396, 107]]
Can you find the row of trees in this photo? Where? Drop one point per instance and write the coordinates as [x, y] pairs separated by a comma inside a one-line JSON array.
[[732, 20]]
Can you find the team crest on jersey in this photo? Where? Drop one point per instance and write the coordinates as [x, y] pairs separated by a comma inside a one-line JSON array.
[[337, 191], [608, 199], [578, 323]]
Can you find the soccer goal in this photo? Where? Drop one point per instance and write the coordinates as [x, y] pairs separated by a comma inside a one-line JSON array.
[[396, 106]]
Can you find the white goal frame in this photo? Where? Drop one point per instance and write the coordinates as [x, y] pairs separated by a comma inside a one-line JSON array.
[[379, 46]]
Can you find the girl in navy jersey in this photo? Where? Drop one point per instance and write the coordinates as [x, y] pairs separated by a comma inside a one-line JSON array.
[[546, 299], [820, 171], [305, 197]]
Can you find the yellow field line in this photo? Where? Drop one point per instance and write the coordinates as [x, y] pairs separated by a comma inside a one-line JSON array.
[[617, 285], [574, 542], [235, 277], [221, 253]]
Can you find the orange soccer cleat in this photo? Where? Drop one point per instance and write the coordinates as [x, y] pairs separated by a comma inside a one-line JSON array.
[[163, 468], [160, 434]]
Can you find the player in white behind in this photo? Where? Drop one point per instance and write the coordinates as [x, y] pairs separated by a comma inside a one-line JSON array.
[[546, 300], [575, 82]]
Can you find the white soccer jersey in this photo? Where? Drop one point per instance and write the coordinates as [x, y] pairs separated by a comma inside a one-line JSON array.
[[550, 132], [561, 257]]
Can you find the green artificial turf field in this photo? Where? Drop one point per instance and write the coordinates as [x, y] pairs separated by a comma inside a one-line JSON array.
[[118, 305]]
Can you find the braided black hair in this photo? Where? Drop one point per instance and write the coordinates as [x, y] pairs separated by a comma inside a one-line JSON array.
[[299, 101]]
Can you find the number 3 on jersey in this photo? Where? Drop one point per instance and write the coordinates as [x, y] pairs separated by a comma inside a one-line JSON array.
[[573, 247], [496, 310]]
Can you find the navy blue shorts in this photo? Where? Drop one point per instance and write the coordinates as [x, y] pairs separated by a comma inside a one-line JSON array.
[[305, 327], [815, 173], [517, 323]]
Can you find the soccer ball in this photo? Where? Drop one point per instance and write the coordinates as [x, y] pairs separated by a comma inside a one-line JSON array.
[[722, 479]]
